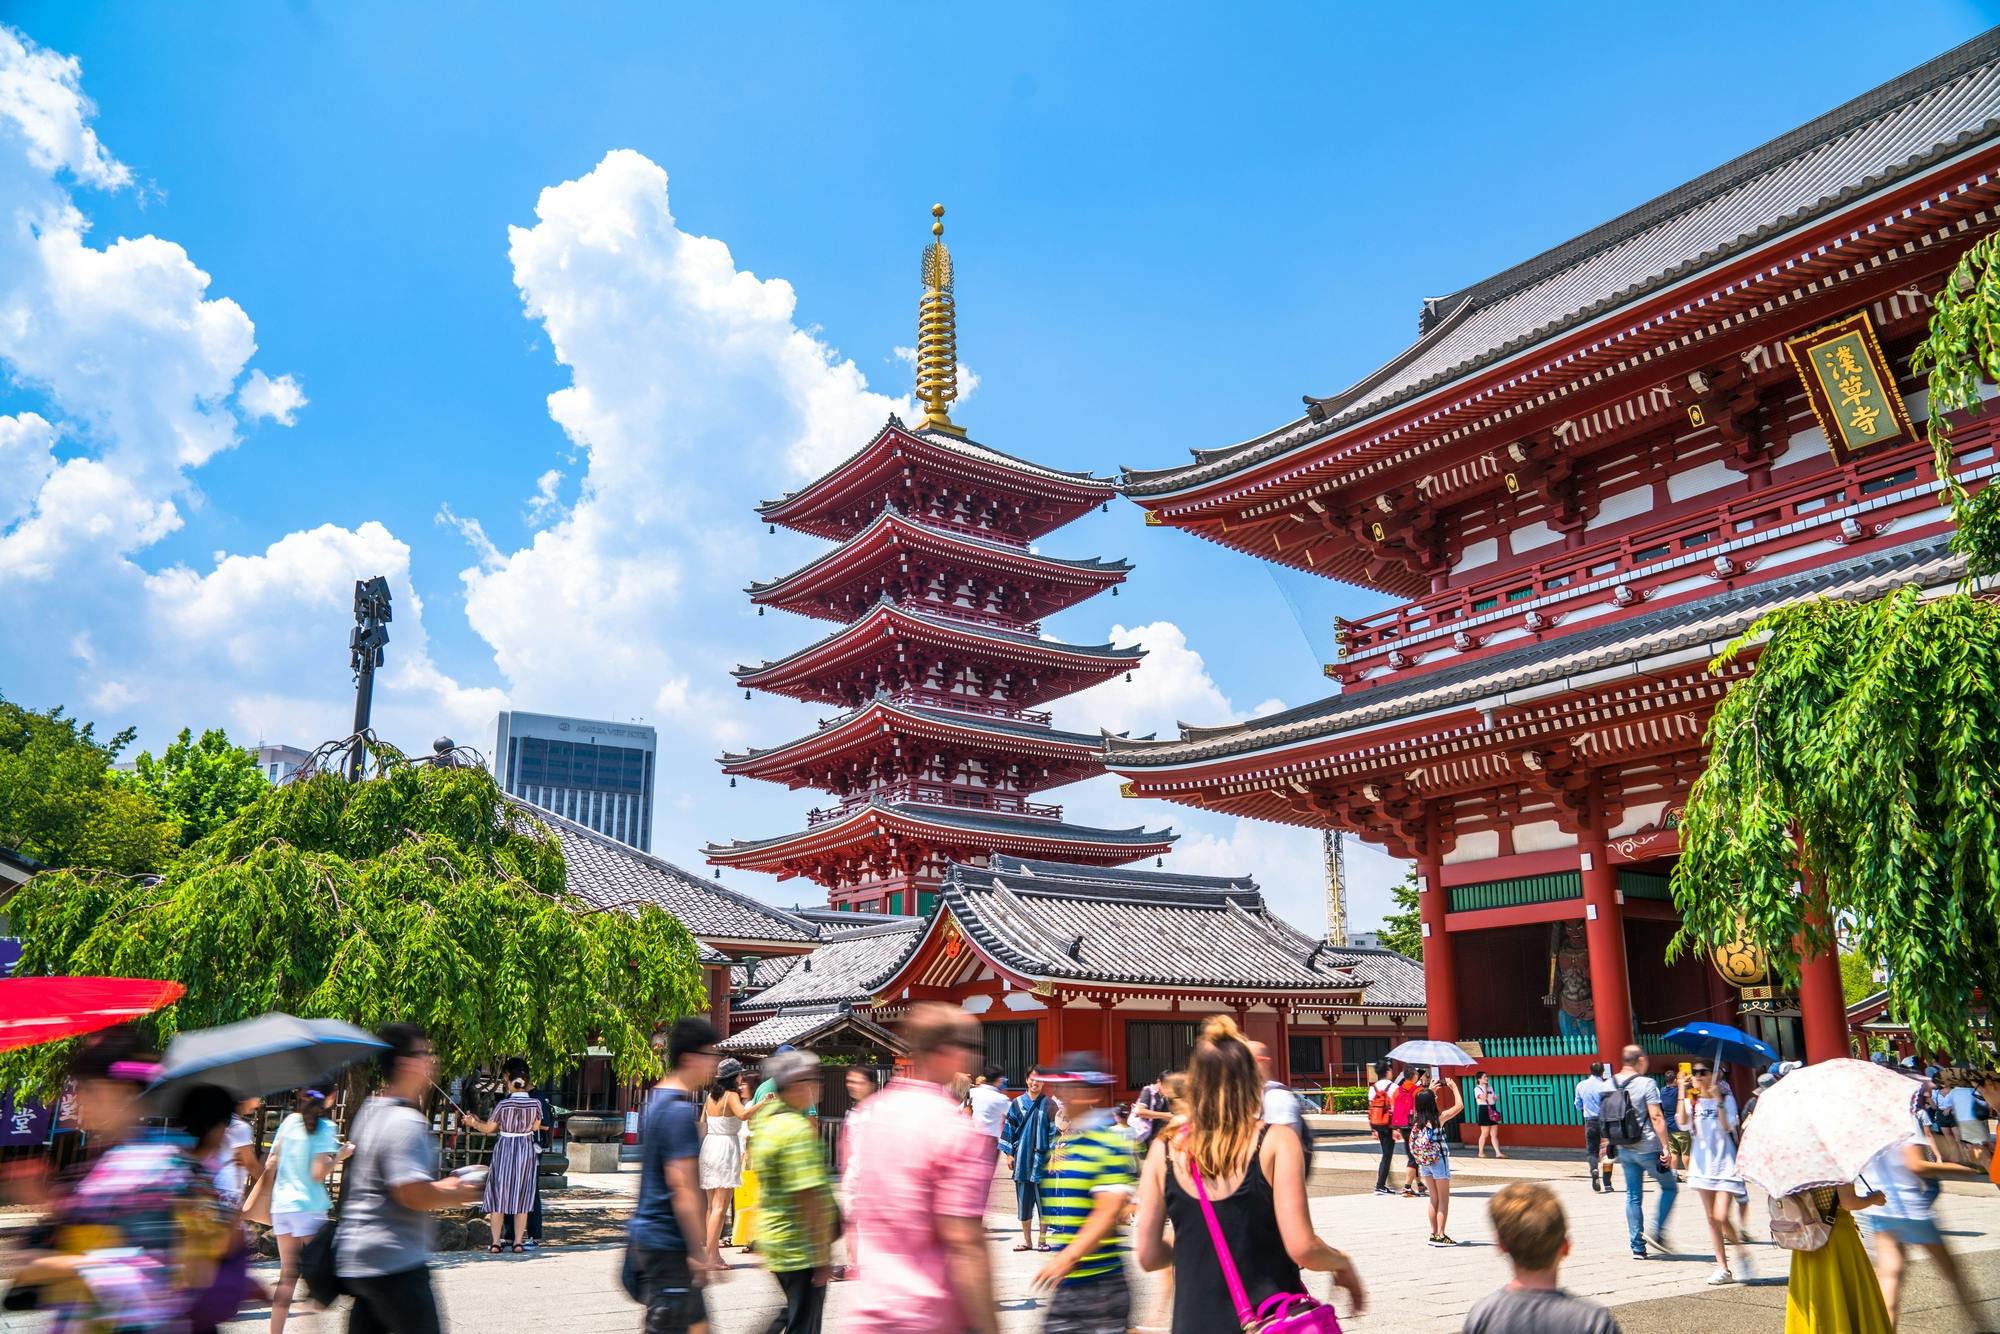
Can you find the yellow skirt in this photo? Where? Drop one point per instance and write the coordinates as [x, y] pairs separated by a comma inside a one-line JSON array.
[[746, 1210], [1833, 1290]]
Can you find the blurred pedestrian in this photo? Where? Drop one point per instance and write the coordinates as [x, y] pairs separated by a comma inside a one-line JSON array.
[[988, 1104], [669, 1227], [1907, 1175], [234, 1162], [795, 1223], [1529, 1226], [1027, 1137], [382, 1250], [922, 1177], [723, 1112], [1253, 1177], [1091, 1179], [510, 1179], [1402, 1106], [1150, 1111], [302, 1156], [135, 1244], [860, 1090], [743, 1232], [1486, 1114], [1831, 1289], [1707, 1111]]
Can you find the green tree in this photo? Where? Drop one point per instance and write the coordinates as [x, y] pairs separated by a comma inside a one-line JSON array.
[[1403, 929], [200, 784], [1861, 755], [419, 894], [60, 803], [1857, 978]]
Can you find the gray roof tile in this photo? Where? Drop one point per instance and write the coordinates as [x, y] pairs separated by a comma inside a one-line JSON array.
[[840, 971]]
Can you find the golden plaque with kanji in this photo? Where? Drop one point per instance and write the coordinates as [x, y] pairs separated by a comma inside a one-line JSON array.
[[1851, 386]]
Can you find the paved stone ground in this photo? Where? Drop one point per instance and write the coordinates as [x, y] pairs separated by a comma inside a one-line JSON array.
[[1412, 1287]]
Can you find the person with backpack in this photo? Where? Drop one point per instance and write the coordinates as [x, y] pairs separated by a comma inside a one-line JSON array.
[[1634, 1123], [1152, 1110], [1402, 1106], [1831, 1289], [1589, 1099], [1381, 1094], [1430, 1114]]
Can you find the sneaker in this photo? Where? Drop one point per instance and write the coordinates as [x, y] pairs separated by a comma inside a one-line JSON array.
[[1595, 1187], [1444, 1240], [1639, 1254], [1743, 1263], [1720, 1277], [1658, 1237], [1438, 1241]]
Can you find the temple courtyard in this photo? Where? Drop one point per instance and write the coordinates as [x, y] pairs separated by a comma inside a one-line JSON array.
[[1411, 1287]]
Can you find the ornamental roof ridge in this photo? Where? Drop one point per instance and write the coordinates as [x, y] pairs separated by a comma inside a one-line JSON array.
[[1889, 133], [946, 716], [891, 517], [962, 446], [1001, 824], [947, 623], [1054, 873]]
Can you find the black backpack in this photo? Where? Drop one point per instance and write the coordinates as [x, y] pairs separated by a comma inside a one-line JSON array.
[[1622, 1125]]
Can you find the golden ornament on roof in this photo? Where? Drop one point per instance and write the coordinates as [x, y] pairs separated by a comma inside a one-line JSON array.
[[937, 334]]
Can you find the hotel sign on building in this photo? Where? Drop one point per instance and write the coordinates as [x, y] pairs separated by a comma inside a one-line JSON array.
[[597, 773]]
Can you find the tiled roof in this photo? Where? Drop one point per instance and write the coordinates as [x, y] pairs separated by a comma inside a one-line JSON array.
[[801, 1028], [842, 970], [952, 532], [1889, 133], [1134, 928], [609, 874], [978, 721], [1395, 981], [1711, 621], [956, 627], [961, 446], [975, 822]]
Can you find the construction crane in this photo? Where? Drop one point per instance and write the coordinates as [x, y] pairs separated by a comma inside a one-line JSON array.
[[1336, 888]]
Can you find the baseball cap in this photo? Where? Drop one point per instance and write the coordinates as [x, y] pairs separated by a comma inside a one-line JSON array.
[[1079, 1067]]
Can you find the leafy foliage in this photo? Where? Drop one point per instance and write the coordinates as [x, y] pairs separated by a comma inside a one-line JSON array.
[[1857, 977], [200, 784], [60, 802], [416, 895], [1403, 929], [1861, 755]]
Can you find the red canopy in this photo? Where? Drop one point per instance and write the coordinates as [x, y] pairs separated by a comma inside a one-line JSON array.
[[43, 1009]]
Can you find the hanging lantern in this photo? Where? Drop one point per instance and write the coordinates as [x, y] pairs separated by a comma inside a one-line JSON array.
[[1741, 961], [732, 780]]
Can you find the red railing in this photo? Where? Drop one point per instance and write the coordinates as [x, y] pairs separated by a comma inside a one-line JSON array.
[[1763, 512], [937, 794], [940, 699]]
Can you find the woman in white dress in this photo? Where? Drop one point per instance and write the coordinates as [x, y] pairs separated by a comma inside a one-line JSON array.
[[721, 1162], [1707, 1111]]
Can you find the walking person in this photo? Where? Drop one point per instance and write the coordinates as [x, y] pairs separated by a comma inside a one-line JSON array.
[[1708, 1114], [303, 1153], [1027, 1137], [1253, 1178], [1589, 1101], [1381, 1093], [1635, 1125], [720, 1165], [1907, 1176], [668, 1232], [234, 1162], [927, 1176], [1151, 1110], [382, 1251], [1529, 1226], [510, 1180], [1431, 1147], [860, 1089], [1402, 1106], [1090, 1182], [795, 1223], [1486, 1114], [1831, 1289], [988, 1103]]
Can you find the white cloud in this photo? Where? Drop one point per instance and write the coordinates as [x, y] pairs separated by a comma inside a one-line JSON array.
[[136, 366], [1290, 865], [1171, 685], [545, 506], [279, 400]]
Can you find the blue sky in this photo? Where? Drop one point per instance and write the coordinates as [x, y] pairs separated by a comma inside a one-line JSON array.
[[1169, 222]]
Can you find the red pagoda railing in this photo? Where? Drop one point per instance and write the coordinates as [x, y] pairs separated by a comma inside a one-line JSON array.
[[937, 794], [1809, 503]]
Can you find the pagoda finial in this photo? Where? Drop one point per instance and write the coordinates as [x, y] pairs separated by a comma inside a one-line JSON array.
[[937, 334]]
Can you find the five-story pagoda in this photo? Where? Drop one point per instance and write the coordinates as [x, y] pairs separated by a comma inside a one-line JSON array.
[[938, 663]]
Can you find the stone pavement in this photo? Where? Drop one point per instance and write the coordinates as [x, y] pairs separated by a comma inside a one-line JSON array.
[[1411, 1286]]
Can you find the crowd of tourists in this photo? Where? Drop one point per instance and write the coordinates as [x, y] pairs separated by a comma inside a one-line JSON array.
[[1203, 1177]]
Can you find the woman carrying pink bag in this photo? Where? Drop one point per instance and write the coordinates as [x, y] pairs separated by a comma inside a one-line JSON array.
[[1234, 1189]]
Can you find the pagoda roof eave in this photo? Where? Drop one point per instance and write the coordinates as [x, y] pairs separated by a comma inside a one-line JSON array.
[[920, 624], [861, 722], [957, 451], [1925, 120], [944, 824], [1459, 695]]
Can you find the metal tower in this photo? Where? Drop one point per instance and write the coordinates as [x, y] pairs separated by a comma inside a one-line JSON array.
[[1336, 888]]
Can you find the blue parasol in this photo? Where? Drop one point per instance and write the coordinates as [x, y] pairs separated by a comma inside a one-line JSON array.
[[268, 1054], [1720, 1042]]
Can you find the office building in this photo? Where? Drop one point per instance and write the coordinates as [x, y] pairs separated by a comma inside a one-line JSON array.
[[597, 773]]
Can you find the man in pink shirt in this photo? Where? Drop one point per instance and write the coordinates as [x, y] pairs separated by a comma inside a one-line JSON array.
[[918, 1186]]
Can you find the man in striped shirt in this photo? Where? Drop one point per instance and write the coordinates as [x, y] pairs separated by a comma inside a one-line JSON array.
[[1089, 1182]]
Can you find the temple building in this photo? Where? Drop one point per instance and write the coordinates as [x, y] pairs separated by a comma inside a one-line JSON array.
[[1056, 957], [1586, 476], [937, 662]]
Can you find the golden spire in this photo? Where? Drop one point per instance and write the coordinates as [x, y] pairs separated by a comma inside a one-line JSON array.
[[937, 335]]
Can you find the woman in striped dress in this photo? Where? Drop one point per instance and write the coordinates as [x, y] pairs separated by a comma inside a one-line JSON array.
[[510, 1185]]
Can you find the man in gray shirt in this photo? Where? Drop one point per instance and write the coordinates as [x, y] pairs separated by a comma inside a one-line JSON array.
[[1647, 1155], [1528, 1223], [382, 1250]]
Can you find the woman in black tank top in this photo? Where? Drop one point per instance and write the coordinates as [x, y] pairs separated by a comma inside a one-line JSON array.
[[1255, 1184]]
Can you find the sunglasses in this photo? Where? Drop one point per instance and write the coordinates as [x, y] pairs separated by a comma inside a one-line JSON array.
[[1701, 1069]]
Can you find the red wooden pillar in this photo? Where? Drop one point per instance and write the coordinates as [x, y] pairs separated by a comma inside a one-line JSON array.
[[1822, 1002], [1440, 968], [1281, 1055], [1604, 927]]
